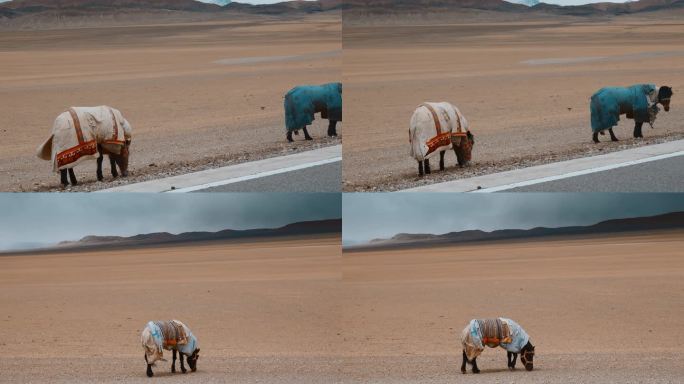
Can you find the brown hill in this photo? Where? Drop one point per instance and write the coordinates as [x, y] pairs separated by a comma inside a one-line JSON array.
[[667, 221]]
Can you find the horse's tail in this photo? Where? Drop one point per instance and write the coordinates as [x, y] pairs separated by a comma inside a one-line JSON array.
[[44, 151]]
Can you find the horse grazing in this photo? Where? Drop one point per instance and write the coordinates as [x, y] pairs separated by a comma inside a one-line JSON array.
[[80, 134], [173, 336], [303, 102], [499, 332], [638, 102], [435, 128]]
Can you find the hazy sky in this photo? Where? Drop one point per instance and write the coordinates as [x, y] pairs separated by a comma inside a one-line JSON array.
[[369, 216], [575, 2], [30, 220]]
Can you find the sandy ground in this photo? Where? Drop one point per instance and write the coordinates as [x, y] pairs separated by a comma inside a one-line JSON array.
[[199, 95], [261, 311], [524, 87], [597, 310]]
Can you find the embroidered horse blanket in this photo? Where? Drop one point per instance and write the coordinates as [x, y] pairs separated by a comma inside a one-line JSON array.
[[77, 132], [609, 103], [435, 127], [499, 332], [303, 102], [160, 335]]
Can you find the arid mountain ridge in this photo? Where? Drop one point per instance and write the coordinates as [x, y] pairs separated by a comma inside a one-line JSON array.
[[66, 8], [380, 7], [667, 221], [318, 227]]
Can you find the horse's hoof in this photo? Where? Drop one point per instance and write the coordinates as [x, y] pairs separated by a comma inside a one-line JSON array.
[[184, 370], [194, 369], [150, 373], [463, 371], [309, 138]]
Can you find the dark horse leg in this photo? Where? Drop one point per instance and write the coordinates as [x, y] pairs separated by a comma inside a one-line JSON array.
[[180, 355], [72, 177], [289, 136], [332, 128], [306, 134], [475, 368], [512, 358], [612, 135], [426, 163], [112, 165], [595, 137], [149, 368], [173, 362], [99, 166], [63, 177], [420, 168], [463, 364], [637, 129], [441, 160]]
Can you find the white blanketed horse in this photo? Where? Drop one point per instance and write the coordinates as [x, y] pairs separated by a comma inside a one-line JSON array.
[[171, 335], [436, 128]]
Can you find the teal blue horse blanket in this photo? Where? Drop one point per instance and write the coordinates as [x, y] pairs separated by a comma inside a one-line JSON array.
[[609, 103], [303, 102]]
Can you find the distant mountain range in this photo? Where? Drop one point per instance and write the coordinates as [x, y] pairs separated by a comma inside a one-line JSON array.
[[19, 8], [164, 238], [521, 7], [402, 240]]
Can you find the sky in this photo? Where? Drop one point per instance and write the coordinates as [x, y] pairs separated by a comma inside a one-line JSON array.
[[221, 2], [368, 216], [36, 220]]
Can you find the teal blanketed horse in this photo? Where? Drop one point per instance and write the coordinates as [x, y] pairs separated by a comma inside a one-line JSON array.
[[638, 102], [303, 102]]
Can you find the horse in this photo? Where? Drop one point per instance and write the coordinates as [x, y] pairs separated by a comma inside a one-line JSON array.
[[435, 128], [171, 335], [81, 133], [304, 101], [498, 332], [607, 104]]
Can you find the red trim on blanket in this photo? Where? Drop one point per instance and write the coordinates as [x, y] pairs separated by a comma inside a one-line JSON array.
[[71, 155], [438, 141], [119, 142]]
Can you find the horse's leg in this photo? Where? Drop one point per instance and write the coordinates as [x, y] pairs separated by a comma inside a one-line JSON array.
[[289, 136], [149, 367], [420, 168], [637, 130], [595, 137], [306, 134], [441, 160], [509, 356], [515, 360], [173, 362], [612, 135], [63, 177], [72, 177], [463, 364], [112, 166], [475, 368], [332, 128], [99, 167], [426, 164], [180, 355]]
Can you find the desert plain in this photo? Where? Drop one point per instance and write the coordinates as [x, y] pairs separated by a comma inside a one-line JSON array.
[[599, 309], [263, 311], [523, 85], [199, 94]]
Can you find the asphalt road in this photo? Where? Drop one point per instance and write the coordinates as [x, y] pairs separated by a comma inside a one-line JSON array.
[[665, 175], [321, 178]]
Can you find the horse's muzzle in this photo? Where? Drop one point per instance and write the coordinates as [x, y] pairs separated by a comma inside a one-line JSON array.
[[529, 367]]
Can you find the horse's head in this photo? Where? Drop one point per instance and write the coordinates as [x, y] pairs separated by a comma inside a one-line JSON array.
[[122, 158], [464, 150], [664, 96], [192, 359], [527, 356]]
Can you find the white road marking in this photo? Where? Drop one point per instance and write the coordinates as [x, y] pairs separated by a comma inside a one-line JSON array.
[[255, 176], [577, 173]]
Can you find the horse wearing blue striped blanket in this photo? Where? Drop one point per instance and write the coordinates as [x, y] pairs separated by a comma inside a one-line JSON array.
[[304, 101], [171, 335], [498, 332]]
